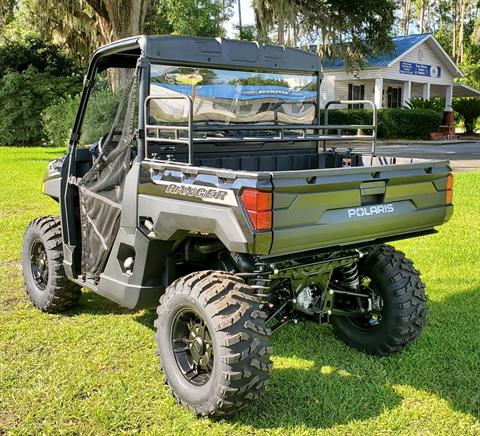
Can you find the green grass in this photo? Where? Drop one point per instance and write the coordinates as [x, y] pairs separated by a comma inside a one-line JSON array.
[[94, 370]]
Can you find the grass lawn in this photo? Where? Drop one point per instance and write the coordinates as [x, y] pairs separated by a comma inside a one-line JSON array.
[[94, 369]]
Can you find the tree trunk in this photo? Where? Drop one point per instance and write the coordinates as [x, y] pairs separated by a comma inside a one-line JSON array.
[[120, 22], [454, 31], [262, 20], [105, 30], [407, 6], [461, 35], [422, 16], [295, 33], [281, 23], [2, 19], [116, 23], [240, 26]]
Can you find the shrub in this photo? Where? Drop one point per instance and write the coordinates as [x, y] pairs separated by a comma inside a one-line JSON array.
[[58, 120], [33, 75], [411, 124], [101, 111], [24, 96], [348, 116], [468, 110], [392, 123], [435, 104], [37, 53]]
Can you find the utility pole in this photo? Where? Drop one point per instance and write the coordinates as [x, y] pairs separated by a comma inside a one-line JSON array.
[[240, 27]]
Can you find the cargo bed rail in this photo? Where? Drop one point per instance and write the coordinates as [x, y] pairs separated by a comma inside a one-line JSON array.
[[191, 134], [362, 137]]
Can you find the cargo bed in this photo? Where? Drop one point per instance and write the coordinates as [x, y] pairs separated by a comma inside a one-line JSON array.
[[385, 197], [380, 198]]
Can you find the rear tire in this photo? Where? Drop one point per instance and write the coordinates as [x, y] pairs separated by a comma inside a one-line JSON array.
[[403, 316], [42, 256], [227, 315]]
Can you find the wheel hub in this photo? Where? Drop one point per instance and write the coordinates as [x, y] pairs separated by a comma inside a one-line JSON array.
[[197, 345], [374, 317], [39, 264], [192, 346]]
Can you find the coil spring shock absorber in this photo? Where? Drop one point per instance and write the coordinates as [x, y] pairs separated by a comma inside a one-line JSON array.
[[349, 275], [256, 275]]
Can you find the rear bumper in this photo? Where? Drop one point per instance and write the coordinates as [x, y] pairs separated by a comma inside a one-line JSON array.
[[349, 226]]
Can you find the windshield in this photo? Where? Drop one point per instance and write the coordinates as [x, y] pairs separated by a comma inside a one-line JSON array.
[[232, 97]]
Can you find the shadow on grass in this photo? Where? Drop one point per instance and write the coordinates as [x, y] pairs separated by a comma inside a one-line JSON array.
[[94, 304], [318, 382], [338, 385]]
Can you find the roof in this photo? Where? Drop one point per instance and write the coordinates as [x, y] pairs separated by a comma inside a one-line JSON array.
[[463, 90], [207, 52], [402, 46]]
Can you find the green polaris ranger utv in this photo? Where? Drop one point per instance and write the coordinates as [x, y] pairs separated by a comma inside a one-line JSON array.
[[199, 180]]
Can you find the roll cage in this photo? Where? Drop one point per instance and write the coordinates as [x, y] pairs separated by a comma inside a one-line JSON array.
[[227, 54], [139, 52]]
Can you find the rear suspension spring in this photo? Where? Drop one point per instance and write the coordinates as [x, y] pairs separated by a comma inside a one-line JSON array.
[[259, 281], [350, 276]]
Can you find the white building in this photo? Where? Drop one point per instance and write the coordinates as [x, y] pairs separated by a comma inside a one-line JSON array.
[[417, 67]]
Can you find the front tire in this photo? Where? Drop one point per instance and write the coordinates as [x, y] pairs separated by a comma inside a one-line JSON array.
[[213, 343], [42, 256], [393, 278]]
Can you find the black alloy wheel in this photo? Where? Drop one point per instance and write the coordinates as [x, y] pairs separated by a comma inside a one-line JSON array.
[[399, 305], [39, 264], [192, 346], [213, 342], [46, 283]]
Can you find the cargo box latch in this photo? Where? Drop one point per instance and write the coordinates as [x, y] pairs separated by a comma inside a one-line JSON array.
[[372, 192]]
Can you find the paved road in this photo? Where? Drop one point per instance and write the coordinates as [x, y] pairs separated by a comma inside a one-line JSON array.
[[463, 156]]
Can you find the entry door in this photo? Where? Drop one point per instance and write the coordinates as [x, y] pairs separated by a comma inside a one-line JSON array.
[[356, 92], [107, 132], [394, 97]]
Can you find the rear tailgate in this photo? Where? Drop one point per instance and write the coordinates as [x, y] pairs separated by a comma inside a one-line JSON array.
[[321, 208]]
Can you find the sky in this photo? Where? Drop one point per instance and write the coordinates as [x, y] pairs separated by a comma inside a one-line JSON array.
[[248, 17]]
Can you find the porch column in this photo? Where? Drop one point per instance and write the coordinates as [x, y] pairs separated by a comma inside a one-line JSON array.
[[448, 98], [378, 95], [407, 92], [426, 91]]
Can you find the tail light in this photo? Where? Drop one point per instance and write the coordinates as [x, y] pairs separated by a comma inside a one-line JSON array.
[[258, 205], [449, 191]]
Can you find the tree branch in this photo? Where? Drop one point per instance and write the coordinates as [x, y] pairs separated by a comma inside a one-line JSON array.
[[100, 8]]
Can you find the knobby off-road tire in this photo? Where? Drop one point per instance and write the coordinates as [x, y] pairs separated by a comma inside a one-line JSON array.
[[42, 256], [235, 326], [403, 317]]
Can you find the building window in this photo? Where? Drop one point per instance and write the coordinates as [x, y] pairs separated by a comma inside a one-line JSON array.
[[394, 97], [356, 92]]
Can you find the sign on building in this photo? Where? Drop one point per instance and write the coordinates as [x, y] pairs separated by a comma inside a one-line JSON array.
[[416, 69]]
